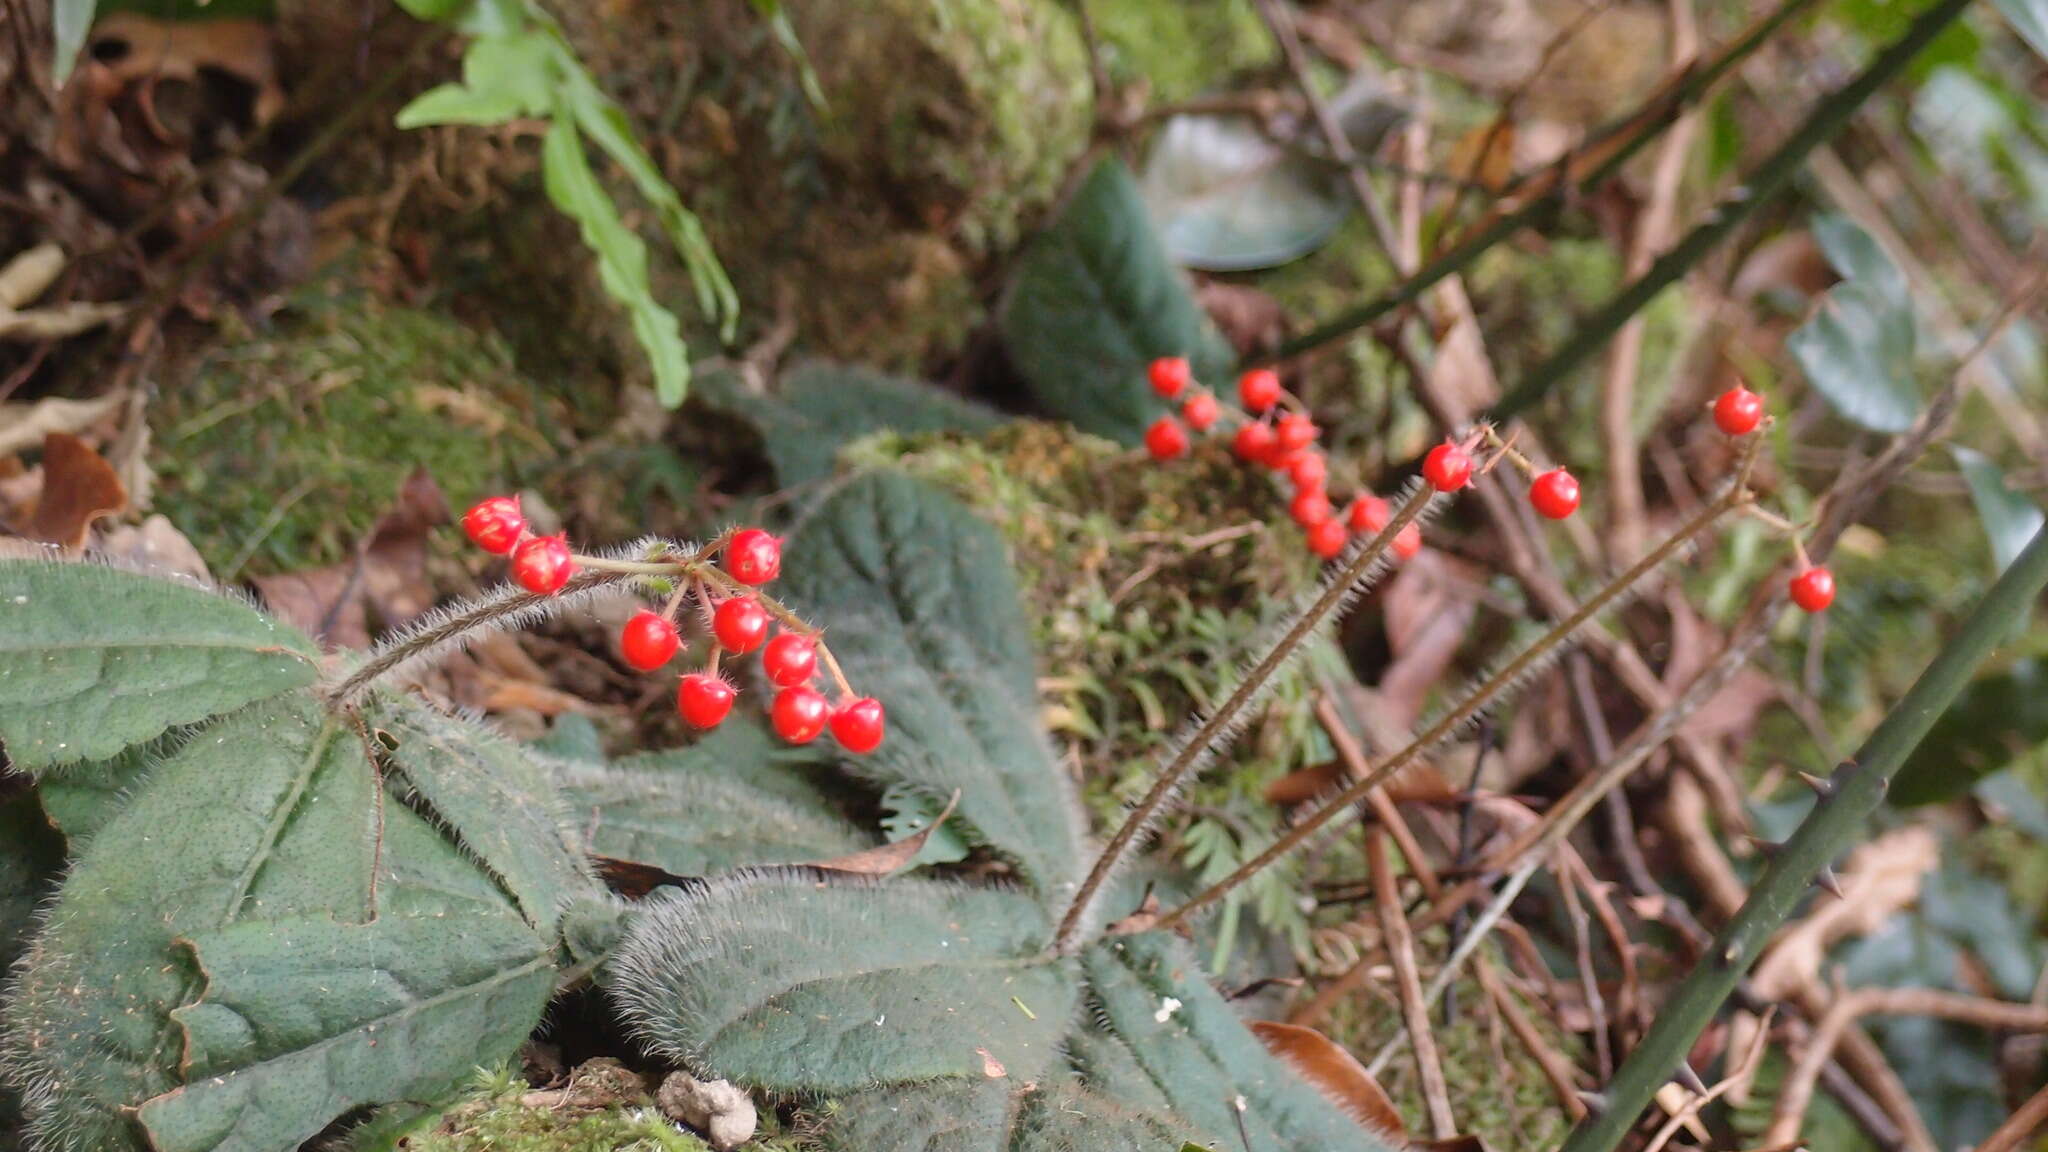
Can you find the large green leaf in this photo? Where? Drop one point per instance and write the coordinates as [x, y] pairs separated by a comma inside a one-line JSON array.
[[1998, 719], [305, 1020], [497, 798], [957, 1116], [2010, 518], [792, 982], [695, 823], [30, 854], [924, 616], [1094, 301], [265, 813], [820, 407], [1858, 348], [95, 659], [80, 799], [1229, 197]]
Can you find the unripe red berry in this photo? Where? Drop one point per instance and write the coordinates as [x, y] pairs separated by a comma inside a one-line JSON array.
[[1408, 541], [799, 714], [495, 525], [704, 700], [1555, 494], [1200, 411], [1170, 375], [740, 624], [1258, 389], [858, 725], [648, 641], [1369, 513], [1165, 439], [1309, 507], [1295, 432], [1326, 537], [790, 660], [1253, 443], [1814, 589], [541, 564], [1308, 469], [1738, 411], [1447, 467], [753, 556]]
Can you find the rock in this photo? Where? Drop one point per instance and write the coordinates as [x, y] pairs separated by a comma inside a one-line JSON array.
[[722, 1112]]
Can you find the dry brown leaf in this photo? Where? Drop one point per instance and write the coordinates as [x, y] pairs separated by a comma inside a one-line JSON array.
[[319, 602], [1429, 607], [1485, 155], [156, 544], [78, 488], [28, 275], [1335, 1072], [1305, 784], [23, 426], [148, 51], [990, 1066], [388, 575], [888, 859]]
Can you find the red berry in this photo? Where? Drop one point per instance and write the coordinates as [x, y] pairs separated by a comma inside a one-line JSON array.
[[1554, 495], [495, 524], [704, 699], [1309, 507], [1308, 469], [1165, 439], [753, 556], [1170, 375], [1814, 589], [648, 641], [858, 725], [1253, 443], [799, 714], [1326, 537], [1447, 467], [1295, 432], [541, 564], [1369, 513], [1200, 411], [1258, 389], [740, 624], [1408, 541], [790, 659], [1738, 411]]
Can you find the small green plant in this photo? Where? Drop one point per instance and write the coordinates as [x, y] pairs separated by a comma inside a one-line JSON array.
[[518, 64]]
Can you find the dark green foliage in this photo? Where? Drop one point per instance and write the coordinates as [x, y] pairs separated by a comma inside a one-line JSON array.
[[30, 854], [1996, 718], [923, 613], [97, 659], [1094, 300], [818, 408], [79, 799]]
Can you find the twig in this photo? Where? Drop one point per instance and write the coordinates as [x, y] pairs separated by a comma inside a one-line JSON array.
[[1797, 1092], [1589, 981], [1740, 1074], [2031, 1118], [1556, 1068], [1414, 1013]]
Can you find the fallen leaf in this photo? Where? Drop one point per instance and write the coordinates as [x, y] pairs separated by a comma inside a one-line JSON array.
[[990, 1066], [28, 275], [1305, 784], [319, 602], [78, 488], [387, 576], [1429, 608], [1335, 1072], [888, 859], [156, 544], [23, 426]]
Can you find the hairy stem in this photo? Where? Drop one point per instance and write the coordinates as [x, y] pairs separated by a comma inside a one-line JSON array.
[[1838, 821], [1504, 678], [1625, 137], [1765, 181], [1190, 752]]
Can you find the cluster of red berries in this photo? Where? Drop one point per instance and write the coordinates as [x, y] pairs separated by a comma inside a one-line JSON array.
[[1739, 412], [739, 622]]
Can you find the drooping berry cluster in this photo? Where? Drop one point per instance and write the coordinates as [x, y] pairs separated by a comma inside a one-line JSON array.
[[737, 615], [1739, 412]]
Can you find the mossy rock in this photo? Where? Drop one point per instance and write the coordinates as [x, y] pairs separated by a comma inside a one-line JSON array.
[[1180, 50], [277, 450], [1149, 589]]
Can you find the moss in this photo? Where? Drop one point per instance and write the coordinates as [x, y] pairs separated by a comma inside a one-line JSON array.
[[1180, 49], [503, 1124], [1148, 586], [277, 450]]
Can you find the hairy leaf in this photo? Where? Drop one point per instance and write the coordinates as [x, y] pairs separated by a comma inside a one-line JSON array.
[[79, 799], [964, 1116], [1094, 301], [787, 981], [1154, 998], [497, 798], [819, 408], [264, 813], [925, 617], [96, 659], [305, 1020], [1857, 349], [694, 823], [30, 854]]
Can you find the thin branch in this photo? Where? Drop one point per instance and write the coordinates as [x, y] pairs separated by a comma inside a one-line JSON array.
[[1740, 1074], [1414, 1014], [2031, 1118]]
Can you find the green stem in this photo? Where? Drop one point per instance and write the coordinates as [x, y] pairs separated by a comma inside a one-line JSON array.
[[1836, 823], [1635, 130], [1765, 181]]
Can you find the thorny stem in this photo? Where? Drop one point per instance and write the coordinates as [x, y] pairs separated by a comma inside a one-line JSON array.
[[1763, 182], [1474, 702], [1837, 821], [1627, 137], [1190, 752]]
